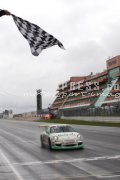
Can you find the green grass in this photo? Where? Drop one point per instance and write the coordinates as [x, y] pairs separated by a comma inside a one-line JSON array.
[[81, 122]]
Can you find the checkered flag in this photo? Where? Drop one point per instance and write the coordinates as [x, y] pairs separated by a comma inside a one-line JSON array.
[[37, 38], [4, 12]]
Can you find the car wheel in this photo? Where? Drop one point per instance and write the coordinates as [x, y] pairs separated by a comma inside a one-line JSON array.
[[50, 147], [42, 144]]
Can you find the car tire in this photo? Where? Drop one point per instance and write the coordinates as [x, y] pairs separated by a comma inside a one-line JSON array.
[[50, 147], [42, 144]]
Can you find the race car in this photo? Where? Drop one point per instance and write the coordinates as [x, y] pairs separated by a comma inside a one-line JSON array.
[[61, 137]]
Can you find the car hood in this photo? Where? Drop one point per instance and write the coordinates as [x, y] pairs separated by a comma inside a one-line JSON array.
[[65, 135]]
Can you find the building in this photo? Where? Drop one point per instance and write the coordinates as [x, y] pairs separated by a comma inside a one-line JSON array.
[[8, 114], [86, 95]]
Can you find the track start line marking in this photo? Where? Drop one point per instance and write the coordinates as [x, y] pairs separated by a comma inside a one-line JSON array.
[[10, 165], [68, 160]]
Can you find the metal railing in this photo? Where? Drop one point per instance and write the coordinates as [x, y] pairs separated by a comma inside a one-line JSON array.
[[113, 110]]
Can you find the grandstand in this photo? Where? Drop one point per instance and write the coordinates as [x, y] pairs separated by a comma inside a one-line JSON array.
[[90, 95]]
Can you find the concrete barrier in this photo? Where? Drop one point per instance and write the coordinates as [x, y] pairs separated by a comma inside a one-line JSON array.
[[35, 118]]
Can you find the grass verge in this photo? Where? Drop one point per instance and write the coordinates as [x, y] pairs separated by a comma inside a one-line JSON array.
[[81, 122]]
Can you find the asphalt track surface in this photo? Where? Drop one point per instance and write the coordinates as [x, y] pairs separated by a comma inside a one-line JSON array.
[[22, 158]]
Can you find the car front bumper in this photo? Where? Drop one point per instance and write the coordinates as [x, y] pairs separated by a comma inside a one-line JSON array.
[[74, 146]]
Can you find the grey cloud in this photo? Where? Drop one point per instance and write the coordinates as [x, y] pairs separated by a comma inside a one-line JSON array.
[[112, 39], [84, 58], [74, 23]]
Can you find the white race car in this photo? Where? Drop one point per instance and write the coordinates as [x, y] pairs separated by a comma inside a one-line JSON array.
[[61, 137]]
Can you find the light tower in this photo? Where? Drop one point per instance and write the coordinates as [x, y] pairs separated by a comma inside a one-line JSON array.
[[39, 101]]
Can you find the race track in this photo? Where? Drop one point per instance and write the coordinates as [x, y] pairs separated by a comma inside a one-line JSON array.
[[22, 158]]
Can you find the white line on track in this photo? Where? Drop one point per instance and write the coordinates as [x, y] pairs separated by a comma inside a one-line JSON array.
[[19, 177], [20, 139], [107, 176], [67, 160], [88, 176]]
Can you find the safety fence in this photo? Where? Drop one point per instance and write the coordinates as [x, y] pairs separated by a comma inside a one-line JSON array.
[[113, 110]]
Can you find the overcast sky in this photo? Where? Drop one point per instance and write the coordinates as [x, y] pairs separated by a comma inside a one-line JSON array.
[[88, 29]]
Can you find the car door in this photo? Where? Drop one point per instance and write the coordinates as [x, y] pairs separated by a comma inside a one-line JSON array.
[[46, 136]]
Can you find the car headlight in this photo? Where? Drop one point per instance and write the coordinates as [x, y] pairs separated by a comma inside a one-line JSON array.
[[79, 136], [55, 138]]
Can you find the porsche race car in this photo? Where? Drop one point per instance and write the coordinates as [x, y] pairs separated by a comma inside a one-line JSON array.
[[61, 137]]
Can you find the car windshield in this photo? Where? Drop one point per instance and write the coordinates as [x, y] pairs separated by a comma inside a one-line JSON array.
[[60, 129]]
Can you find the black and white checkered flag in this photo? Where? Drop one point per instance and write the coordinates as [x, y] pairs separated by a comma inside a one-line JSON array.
[[37, 38]]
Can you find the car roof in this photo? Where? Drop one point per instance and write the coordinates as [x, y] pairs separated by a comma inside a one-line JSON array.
[[57, 125], [52, 125]]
